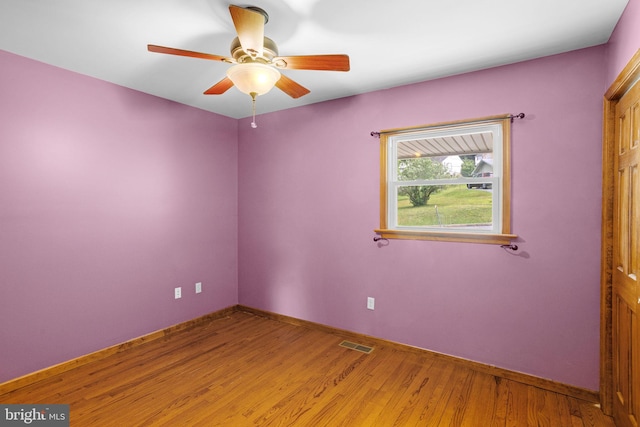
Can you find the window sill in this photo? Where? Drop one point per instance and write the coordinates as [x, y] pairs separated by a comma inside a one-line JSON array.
[[443, 236]]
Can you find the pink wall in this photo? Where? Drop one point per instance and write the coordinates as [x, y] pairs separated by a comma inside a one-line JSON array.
[[109, 198], [624, 42], [309, 201]]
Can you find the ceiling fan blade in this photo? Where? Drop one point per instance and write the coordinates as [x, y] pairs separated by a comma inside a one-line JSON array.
[[313, 62], [189, 53], [291, 88], [250, 28], [219, 88]]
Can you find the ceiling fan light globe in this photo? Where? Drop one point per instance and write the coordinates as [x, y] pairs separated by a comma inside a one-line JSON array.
[[253, 78]]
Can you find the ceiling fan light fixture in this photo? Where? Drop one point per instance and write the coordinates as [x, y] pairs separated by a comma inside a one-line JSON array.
[[253, 78]]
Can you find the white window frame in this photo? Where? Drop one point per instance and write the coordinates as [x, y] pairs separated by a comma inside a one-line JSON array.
[[499, 233]]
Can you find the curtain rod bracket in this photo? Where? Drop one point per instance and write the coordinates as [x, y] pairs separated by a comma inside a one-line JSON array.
[[517, 116], [511, 246], [375, 134]]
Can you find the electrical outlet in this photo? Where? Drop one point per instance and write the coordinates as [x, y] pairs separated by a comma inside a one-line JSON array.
[[177, 293], [371, 303], [198, 287]]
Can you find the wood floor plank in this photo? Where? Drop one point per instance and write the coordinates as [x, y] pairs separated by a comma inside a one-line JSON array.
[[246, 370], [481, 403], [430, 410], [403, 397]]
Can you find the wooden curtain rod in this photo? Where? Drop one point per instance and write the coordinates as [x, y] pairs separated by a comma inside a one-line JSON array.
[[511, 116]]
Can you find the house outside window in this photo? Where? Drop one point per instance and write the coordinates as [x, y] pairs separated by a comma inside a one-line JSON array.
[[449, 181]]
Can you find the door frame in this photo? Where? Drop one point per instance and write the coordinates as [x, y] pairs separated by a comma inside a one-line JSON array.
[[625, 80]]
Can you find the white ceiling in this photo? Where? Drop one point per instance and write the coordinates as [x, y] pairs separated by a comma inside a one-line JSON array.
[[389, 43]]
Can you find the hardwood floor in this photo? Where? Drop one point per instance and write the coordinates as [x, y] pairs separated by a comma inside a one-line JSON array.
[[245, 370]]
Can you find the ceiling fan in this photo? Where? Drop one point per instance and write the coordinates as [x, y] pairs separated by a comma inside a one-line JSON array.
[[256, 59]]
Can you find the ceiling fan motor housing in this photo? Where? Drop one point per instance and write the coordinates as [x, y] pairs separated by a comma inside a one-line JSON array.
[[270, 51]]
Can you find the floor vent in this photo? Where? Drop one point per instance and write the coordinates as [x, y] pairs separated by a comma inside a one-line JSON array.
[[358, 347]]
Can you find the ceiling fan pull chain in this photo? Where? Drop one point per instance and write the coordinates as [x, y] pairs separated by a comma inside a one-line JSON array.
[[253, 101]]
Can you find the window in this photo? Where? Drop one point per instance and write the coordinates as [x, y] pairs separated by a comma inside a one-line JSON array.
[[447, 181]]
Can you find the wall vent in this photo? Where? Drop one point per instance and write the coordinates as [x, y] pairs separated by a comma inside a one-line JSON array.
[[357, 347]]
